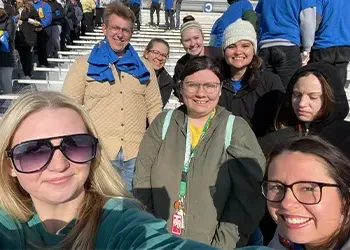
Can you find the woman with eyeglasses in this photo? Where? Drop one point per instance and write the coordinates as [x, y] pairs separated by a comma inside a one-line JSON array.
[[248, 90], [58, 189], [200, 167], [306, 185], [157, 52]]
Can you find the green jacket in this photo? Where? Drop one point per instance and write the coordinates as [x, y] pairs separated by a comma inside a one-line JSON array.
[[224, 200], [123, 225]]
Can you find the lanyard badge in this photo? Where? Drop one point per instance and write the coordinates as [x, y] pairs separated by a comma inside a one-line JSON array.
[[178, 224]]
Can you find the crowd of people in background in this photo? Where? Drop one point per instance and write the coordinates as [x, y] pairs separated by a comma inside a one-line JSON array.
[[257, 154]]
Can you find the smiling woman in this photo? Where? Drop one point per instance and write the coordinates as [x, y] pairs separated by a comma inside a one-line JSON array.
[[157, 52], [307, 190], [206, 164], [315, 104], [58, 188], [248, 90], [192, 40]]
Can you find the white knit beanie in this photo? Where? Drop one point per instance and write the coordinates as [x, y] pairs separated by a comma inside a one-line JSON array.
[[239, 30]]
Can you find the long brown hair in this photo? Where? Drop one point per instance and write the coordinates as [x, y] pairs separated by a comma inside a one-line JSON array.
[[286, 115], [26, 5], [250, 74]]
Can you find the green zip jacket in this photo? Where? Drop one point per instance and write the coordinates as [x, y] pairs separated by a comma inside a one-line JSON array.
[[224, 203], [123, 225]]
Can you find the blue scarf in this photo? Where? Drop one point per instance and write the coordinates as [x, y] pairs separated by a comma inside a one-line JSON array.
[[102, 56]]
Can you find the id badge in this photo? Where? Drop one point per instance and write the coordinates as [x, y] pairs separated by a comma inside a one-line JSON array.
[[176, 227]]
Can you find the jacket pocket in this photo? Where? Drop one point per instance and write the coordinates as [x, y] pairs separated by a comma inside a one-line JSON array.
[[139, 91], [98, 90]]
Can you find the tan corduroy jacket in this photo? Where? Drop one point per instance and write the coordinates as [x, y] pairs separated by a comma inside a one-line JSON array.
[[118, 109]]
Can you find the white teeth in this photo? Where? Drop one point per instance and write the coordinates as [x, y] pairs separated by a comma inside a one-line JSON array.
[[238, 58], [296, 220], [200, 102]]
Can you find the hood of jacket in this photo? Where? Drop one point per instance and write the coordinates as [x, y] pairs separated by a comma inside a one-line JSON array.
[[339, 108], [3, 19]]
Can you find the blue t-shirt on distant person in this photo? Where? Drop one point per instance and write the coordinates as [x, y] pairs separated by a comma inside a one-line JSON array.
[[169, 4], [231, 15], [135, 1], [334, 29], [280, 19]]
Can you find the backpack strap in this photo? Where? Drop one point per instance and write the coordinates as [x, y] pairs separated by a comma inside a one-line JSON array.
[[228, 133], [166, 123]]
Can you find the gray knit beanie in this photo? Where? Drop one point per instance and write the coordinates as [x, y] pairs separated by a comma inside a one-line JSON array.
[[239, 30], [190, 24]]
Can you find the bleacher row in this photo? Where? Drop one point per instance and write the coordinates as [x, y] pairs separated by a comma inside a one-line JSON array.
[[54, 77]]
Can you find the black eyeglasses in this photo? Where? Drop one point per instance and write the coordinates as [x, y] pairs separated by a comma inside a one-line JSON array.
[[306, 192], [33, 156]]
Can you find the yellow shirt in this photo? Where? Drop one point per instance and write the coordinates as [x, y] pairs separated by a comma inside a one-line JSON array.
[[196, 132]]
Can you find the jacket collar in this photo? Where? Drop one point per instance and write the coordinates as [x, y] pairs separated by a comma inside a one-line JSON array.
[[181, 119]]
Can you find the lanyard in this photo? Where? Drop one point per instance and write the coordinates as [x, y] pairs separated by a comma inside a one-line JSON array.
[[189, 155], [290, 245]]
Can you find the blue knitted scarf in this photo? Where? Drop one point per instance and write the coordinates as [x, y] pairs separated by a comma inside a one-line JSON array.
[[102, 56]]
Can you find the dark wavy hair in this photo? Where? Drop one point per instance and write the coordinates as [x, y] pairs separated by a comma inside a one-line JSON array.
[[338, 167], [196, 64], [251, 74]]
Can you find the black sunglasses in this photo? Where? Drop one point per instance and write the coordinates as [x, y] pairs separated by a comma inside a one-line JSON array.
[[34, 155]]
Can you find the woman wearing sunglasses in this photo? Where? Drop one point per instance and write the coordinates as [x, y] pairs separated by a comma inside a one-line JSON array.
[[200, 166], [307, 190], [58, 189], [157, 52]]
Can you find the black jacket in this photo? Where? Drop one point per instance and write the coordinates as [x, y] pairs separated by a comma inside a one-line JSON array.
[[10, 10], [166, 84], [257, 101], [26, 36], [57, 13], [332, 127], [7, 23]]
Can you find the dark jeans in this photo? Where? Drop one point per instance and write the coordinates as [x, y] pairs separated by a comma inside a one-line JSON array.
[[75, 33], [53, 44], [88, 23], [26, 57], [339, 57], [42, 40], [125, 168], [65, 37], [155, 7], [136, 9], [169, 14], [282, 60], [99, 16]]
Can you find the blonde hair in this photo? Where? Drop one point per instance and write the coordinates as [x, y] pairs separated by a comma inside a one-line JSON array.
[[103, 181]]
